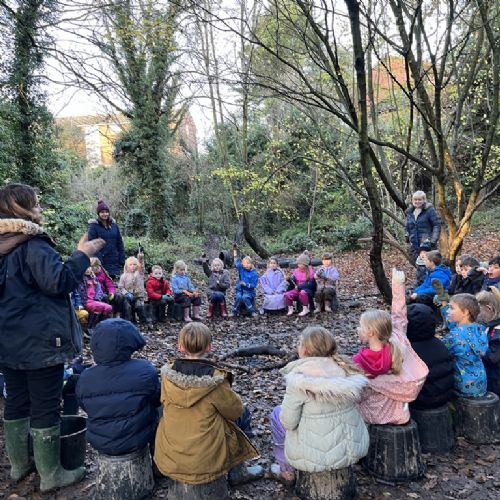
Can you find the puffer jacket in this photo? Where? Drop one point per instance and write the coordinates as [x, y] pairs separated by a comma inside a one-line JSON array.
[[427, 225], [217, 281], [119, 394], [133, 283], [491, 359], [38, 325], [180, 282], [441, 273], [438, 386], [156, 288], [250, 278], [112, 256], [324, 429], [197, 440], [472, 283]]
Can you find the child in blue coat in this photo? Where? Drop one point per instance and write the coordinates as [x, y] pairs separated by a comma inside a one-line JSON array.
[[246, 284], [184, 291]]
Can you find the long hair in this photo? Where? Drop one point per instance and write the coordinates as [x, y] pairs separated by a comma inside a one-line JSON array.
[[380, 322], [19, 200], [320, 342]]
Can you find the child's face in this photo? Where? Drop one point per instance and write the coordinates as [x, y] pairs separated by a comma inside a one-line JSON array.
[[273, 265], [181, 271], [217, 266], [96, 269], [158, 274], [301, 350], [247, 264], [428, 263], [301, 266], [364, 334], [494, 271], [486, 314], [458, 268], [88, 271], [458, 315], [327, 262], [132, 266], [464, 270]]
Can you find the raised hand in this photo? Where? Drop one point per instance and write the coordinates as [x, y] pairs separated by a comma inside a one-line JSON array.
[[90, 248]]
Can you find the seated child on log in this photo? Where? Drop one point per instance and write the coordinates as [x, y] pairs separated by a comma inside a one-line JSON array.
[[218, 283], [120, 395], [274, 286], [131, 286], [185, 294], [111, 295], [438, 387], [94, 302], [489, 305], [199, 438], [159, 293], [326, 285], [248, 278], [424, 293], [468, 278], [318, 427], [385, 399], [303, 285], [493, 275]]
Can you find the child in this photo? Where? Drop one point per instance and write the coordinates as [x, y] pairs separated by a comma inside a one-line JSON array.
[[111, 296], [198, 440], [159, 293], [467, 343], [438, 386], [303, 284], [131, 286], [493, 277], [81, 313], [185, 293], [218, 283], [274, 285], [489, 305], [385, 399], [469, 279], [382, 355], [318, 422], [424, 293], [246, 284], [326, 283], [120, 395], [94, 295]]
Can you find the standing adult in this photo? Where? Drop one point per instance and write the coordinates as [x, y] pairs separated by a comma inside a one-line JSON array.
[[112, 256], [39, 332]]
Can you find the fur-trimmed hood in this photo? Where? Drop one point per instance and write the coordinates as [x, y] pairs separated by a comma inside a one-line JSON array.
[[324, 380], [14, 231], [186, 390]]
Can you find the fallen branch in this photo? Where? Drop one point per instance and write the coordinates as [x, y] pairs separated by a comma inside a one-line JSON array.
[[264, 349]]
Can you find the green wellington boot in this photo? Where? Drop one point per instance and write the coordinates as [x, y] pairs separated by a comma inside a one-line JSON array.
[[46, 448], [17, 446]]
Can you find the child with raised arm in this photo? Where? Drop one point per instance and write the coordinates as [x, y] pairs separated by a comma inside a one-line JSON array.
[[198, 438], [274, 285], [318, 427], [326, 285], [185, 293], [248, 278], [218, 283]]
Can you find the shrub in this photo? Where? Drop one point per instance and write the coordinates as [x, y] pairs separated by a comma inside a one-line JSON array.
[[136, 222], [346, 237]]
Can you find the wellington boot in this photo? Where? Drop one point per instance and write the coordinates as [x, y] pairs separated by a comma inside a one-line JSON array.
[[47, 449], [210, 311], [223, 311], [17, 446], [290, 311], [328, 309], [317, 308], [305, 311], [196, 313], [187, 318]]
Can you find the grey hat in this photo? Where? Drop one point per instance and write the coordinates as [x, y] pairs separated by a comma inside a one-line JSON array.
[[304, 258]]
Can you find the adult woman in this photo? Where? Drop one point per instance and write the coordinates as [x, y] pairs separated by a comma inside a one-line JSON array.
[[112, 256], [38, 333], [423, 225]]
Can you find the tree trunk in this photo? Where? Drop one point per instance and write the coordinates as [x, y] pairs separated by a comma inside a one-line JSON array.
[[328, 485], [254, 244]]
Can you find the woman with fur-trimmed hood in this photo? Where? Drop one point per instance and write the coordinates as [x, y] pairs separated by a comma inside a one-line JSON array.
[[318, 419]]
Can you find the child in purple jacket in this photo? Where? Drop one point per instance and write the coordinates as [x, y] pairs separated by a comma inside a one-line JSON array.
[[274, 286]]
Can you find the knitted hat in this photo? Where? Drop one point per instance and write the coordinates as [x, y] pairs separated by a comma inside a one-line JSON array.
[[304, 258], [327, 256], [102, 206]]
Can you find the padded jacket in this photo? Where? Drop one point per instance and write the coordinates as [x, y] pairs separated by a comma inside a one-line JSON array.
[[112, 256], [427, 225]]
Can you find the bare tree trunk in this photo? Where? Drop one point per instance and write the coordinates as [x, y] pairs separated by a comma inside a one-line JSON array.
[[251, 240]]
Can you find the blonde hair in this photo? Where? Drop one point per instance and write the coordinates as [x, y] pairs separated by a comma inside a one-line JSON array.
[[217, 261], [466, 302], [195, 338], [156, 267], [248, 259], [179, 264], [380, 323], [320, 342], [490, 300], [129, 261], [95, 262]]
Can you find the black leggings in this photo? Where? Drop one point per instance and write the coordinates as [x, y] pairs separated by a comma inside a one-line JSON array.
[[35, 393]]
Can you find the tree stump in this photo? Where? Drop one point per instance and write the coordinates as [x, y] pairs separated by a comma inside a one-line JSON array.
[[216, 490], [435, 429], [394, 454], [477, 418], [127, 476], [327, 485]]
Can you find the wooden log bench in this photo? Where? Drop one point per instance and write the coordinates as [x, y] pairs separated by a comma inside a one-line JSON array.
[[216, 490], [435, 429], [477, 419], [328, 485]]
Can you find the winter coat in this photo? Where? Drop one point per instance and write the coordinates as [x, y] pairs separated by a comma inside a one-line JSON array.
[[250, 278], [156, 288], [491, 359], [472, 283], [107, 285], [324, 430], [197, 440], [133, 283], [441, 273], [274, 286], [120, 395], [180, 282], [93, 289], [326, 277], [218, 281], [438, 387], [303, 282], [385, 399], [38, 325], [76, 298], [468, 344], [491, 282], [112, 256], [427, 225]]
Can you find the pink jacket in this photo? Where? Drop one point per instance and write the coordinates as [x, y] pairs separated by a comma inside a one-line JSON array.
[[108, 287], [385, 399]]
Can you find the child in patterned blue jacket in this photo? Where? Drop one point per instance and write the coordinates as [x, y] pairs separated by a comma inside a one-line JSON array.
[[246, 284], [185, 293]]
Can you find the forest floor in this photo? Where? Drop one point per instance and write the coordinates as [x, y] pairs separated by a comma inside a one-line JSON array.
[[469, 471]]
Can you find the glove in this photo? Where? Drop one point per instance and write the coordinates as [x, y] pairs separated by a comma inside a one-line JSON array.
[[166, 298], [111, 297], [129, 296], [398, 277]]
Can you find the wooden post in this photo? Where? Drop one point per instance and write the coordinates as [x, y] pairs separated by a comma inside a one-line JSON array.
[[336, 484], [216, 490]]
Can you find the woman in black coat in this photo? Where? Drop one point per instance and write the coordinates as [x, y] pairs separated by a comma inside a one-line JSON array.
[[39, 332]]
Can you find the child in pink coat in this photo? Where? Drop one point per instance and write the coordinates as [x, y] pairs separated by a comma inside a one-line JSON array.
[[95, 295]]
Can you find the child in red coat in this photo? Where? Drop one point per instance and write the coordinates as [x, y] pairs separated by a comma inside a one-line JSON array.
[[159, 293]]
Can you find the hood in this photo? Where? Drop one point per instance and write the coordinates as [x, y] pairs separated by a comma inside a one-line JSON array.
[[14, 231], [114, 340], [323, 379], [97, 220], [185, 391], [421, 322]]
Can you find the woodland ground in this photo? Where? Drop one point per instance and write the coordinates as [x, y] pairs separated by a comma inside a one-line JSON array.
[[469, 471]]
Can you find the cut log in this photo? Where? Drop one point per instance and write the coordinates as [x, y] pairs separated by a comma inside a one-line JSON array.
[[328, 485], [477, 419], [216, 490], [269, 350], [435, 429]]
